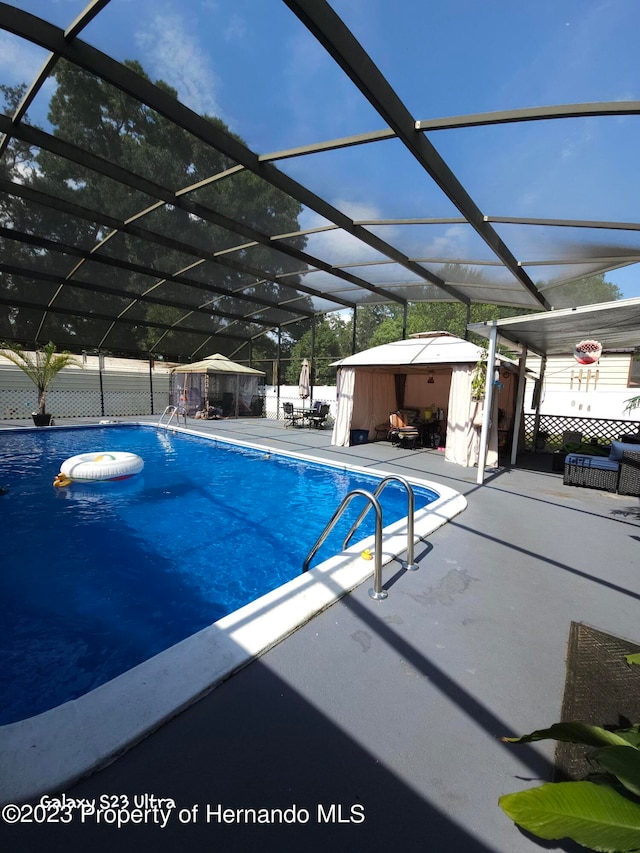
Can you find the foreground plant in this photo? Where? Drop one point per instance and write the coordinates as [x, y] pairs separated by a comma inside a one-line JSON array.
[[601, 813]]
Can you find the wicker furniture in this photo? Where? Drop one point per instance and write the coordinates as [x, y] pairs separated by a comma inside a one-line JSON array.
[[595, 472], [618, 472], [629, 481]]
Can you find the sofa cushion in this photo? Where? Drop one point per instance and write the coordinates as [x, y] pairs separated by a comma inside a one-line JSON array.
[[620, 447], [600, 462]]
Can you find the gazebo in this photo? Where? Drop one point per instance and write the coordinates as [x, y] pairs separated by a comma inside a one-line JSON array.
[[234, 388], [430, 372]]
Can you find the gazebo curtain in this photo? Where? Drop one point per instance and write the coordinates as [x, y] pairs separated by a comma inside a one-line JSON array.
[[400, 380], [464, 421], [345, 385], [366, 409]]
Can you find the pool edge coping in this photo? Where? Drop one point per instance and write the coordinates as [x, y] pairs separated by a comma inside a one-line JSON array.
[[50, 751]]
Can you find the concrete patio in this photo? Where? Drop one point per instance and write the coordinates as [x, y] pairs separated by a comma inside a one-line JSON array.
[[377, 724]]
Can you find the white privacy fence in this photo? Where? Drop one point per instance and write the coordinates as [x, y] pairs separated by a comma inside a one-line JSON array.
[[117, 389], [289, 394]]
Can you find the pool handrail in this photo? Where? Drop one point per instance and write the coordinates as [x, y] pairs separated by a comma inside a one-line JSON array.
[[172, 410], [376, 592], [409, 564]]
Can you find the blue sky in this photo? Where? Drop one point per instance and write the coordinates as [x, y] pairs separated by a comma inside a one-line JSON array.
[[254, 65]]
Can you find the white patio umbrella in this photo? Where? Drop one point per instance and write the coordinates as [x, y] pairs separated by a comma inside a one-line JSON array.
[[304, 385]]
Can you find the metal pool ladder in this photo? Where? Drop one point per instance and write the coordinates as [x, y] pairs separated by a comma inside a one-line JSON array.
[[376, 592], [171, 411]]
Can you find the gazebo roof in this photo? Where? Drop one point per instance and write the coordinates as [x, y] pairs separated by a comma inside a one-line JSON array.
[[433, 348], [217, 364]]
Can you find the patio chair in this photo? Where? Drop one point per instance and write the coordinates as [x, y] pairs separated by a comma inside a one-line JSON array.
[[319, 416], [402, 431], [291, 417]]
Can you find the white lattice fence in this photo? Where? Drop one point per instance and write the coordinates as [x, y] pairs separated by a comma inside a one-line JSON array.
[[80, 393], [17, 403], [63, 403], [600, 430]]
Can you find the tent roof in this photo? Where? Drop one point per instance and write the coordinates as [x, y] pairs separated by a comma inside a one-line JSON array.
[[616, 325], [439, 348], [396, 190], [217, 364]]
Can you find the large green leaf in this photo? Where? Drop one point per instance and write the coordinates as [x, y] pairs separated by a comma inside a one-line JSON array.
[[631, 735], [635, 658], [595, 816], [573, 733], [623, 763]]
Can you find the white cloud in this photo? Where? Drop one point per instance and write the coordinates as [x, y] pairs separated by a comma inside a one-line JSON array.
[[452, 244], [236, 29], [20, 61], [321, 102], [174, 55], [337, 246]]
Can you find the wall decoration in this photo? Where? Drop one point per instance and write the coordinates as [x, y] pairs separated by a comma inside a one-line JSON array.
[[587, 352]]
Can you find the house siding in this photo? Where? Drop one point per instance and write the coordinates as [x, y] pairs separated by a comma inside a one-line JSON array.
[[599, 390]]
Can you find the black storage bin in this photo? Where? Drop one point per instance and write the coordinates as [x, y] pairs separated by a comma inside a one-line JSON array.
[[359, 436]]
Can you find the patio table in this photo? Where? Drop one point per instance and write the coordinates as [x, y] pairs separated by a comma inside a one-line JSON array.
[[304, 415]]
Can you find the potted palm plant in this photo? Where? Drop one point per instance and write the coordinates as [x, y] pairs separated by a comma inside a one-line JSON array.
[[631, 404], [41, 367]]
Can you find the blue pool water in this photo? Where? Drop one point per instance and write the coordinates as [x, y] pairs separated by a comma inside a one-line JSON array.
[[98, 577]]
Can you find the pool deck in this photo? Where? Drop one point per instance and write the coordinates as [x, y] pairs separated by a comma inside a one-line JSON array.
[[389, 709]]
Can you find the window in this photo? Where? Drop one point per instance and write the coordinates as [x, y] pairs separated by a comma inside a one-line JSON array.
[[634, 371]]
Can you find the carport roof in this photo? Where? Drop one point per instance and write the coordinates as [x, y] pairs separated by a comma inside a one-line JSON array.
[[616, 325], [395, 199]]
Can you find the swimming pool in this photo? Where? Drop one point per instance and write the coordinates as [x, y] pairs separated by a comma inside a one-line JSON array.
[[99, 577], [53, 749]]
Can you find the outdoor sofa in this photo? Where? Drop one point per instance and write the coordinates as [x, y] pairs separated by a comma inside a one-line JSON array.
[[617, 472]]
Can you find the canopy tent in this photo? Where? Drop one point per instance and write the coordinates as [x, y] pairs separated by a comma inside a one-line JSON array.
[[234, 388], [429, 372]]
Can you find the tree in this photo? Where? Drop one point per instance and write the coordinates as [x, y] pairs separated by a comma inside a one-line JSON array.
[[17, 156], [439, 317], [332, 342], [381, 324], [586, 291], [369, 320], [16, 163], [90, 113], [452, 316]]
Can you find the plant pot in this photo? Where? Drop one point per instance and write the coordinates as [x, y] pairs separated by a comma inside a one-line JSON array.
[[42, 420]]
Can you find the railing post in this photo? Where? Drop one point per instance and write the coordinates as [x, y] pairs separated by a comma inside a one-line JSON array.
[[376, 592]]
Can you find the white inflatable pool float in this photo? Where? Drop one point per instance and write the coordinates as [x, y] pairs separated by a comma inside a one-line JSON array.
[[87, 467]]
